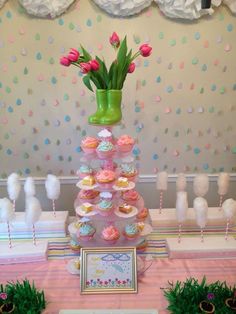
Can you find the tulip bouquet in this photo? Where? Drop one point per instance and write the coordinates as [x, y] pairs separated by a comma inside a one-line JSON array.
[[96, 71], [107, 81]]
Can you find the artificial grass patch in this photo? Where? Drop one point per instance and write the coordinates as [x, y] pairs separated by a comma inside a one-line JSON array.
[[23, 296], [185, 297]]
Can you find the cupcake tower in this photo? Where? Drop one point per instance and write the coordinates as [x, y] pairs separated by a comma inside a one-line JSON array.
[[112, 211]]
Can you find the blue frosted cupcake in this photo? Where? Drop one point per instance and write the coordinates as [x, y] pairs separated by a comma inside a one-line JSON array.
[[105, 207], [131, 231], [86, 232]]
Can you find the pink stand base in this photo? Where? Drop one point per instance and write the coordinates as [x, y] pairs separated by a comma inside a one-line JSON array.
[[212, 247], [25, 252]]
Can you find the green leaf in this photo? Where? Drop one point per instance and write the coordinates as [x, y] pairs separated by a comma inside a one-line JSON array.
[[87, 56], [122, 51], [86, 80]]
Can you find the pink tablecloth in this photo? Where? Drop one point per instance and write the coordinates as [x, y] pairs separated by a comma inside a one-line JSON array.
[[62, 289]]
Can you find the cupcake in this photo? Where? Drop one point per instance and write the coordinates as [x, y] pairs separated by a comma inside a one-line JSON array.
[[131, 197], [125, 144], [87, 196], [131, 231], [105, 135], [128, 171], [105, 207], [110, 234], [86, 231], [106, 178], [142, 214], [75, 245], [89, 144], [105, 150], [85, 171]]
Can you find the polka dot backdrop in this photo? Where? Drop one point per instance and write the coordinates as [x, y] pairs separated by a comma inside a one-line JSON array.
[[178, 104]]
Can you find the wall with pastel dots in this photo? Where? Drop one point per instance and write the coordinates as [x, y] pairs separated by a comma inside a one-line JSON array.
[[178, 104]]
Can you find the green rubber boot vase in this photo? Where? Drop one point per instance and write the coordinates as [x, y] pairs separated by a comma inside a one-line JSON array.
[[101, 98], [113, 114]]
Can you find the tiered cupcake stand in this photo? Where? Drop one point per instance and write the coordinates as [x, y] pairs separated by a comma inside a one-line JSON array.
[[114, 194]]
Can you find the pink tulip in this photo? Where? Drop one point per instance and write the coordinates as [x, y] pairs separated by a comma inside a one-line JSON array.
[[145, 50], [94, 65], [131, 67], [3, 295], [115, 40], [73, 55], [65, 61], [85, 67]]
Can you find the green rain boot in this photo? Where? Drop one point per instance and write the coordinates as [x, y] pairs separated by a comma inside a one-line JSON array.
[[113, 114], [101, 98]]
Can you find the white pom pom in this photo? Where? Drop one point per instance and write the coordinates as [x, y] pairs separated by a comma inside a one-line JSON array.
[[223, 183], [6, 210], [29, 187], [181, 206], [201, 184], [33, 210], [201, 207], [181, 182], [13, 186], [52, 185], [229, 208], [161, 183]]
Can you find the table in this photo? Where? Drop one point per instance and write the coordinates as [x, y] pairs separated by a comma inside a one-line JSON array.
[[62, 289]]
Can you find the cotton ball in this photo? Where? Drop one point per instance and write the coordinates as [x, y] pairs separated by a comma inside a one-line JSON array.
[[201, 184], [33, 210], [181, 206], [229, 208], [223, 183], [181, 182], [29, 187], [162, 180], [6, 210], [201, 207], [13, 186], [52, 185]]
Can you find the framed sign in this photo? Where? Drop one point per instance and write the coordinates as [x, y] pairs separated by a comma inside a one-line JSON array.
[[108, 270]]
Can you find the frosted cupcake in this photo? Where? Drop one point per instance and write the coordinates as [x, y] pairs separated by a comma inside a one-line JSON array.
[[105, 207], [86, 232], [105, 150], [89, 196], [110, 234], [85, 171], [142, 214], [105, 135], [89, 144], [131, 231], [131, 197], [125, 144], [105, 178], [128, 171]]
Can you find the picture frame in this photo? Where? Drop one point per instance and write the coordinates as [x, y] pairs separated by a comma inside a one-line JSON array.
[[108, 270]]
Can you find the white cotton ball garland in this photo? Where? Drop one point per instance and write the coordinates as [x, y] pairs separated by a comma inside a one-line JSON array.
[[201, 185], [123, 7]]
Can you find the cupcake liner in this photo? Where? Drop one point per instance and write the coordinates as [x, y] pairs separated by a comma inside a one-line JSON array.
[[125, 148]]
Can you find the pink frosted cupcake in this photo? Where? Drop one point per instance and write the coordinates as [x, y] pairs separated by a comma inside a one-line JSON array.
[[105, 135], [105, 150], [105, 178], [89, 196], [110, 234], [131, 197], [125, 144], [142, 214], [89, 144]]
